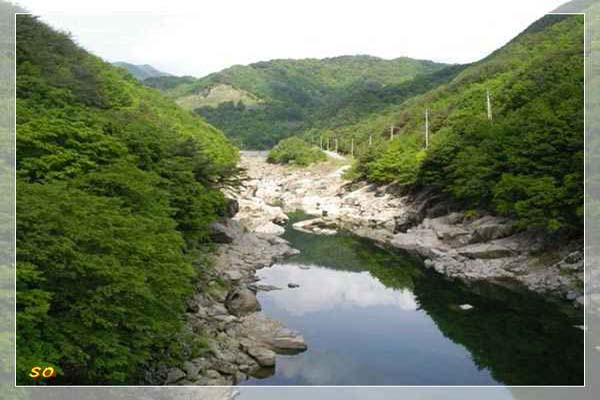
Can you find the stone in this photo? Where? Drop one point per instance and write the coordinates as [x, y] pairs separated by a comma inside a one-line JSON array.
[[238, 378], [574, 257], [491, 231], [465, 307], [191, 369], [270, 228], [428, 263], [192, 306], [220, 233], [232, 206], [485, 251], [174, 376], [405, 221], [201, 363], [272, 334], [227, 319], [241, 301], [264, 288], [291, 343], [455, 218], [213, 374], [233, 275], [571, 295], [262, 355], [224, 367]]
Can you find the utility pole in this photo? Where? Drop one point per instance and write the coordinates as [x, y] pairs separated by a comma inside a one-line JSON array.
[[426, 127], [489, 105], [370, 140], [336, 145], [352, 147], [392, 132]]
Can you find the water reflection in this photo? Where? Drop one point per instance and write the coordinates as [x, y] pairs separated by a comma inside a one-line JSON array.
[[333, 289], [371, 317]]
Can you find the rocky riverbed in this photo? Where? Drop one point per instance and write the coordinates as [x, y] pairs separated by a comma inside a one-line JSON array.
[[239, 340], [461, 245]]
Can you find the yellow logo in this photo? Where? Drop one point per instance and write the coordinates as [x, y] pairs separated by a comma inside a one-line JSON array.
[[37, 372]]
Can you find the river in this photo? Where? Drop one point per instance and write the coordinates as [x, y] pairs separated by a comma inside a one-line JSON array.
[[373, 317]]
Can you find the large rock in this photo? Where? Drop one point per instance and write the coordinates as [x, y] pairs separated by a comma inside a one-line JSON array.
[[232, 206], [288, 341], [265, 357], [489, 228], [319, 226], [270, 228], [221, 233], [174, 376], [272, 334], [405, 221], [241, 301], [485, 251]]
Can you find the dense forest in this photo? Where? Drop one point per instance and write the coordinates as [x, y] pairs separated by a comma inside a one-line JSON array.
[[526, 161], [259, 104], [116, 187]]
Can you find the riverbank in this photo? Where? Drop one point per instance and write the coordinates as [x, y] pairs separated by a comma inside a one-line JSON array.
[[456, 244], [237, 340]]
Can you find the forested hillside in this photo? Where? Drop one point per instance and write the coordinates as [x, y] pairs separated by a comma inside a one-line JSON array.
[[263, 102], [527, 162], [116, 186]]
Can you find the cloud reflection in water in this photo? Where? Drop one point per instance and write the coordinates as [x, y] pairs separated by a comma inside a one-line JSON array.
[[323, 289]]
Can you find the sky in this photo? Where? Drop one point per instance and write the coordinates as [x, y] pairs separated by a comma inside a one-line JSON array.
[[200, 37]]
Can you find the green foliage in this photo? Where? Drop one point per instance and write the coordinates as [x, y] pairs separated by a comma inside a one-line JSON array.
[[295, 151], [116, 187], [296, 95], [399, 162], [528, 162]]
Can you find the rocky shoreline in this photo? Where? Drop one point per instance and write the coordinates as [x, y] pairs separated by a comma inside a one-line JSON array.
[[240, 341], [453, 243]]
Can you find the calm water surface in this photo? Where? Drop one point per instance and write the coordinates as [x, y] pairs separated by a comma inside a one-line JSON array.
[[371, 317]]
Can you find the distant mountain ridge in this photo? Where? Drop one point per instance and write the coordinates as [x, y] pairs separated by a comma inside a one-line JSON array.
[[258, 104], [141, 72]]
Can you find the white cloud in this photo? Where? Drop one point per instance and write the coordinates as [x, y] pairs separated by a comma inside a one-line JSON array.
[[196, 38]]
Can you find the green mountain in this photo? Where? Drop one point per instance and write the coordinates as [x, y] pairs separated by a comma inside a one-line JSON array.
[[116, 187], [263, 102], [141, 72], [527, 162]]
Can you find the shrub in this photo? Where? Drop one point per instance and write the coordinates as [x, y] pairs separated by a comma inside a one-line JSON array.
[[295, 151]]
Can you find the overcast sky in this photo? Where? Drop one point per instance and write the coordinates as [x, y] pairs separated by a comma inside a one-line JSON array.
[[200, 37]]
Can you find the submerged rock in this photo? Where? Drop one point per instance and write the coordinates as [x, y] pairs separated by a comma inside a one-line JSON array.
[[293, 285]]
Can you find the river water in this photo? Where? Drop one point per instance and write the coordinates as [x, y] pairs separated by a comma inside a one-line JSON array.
[[372, 317]]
